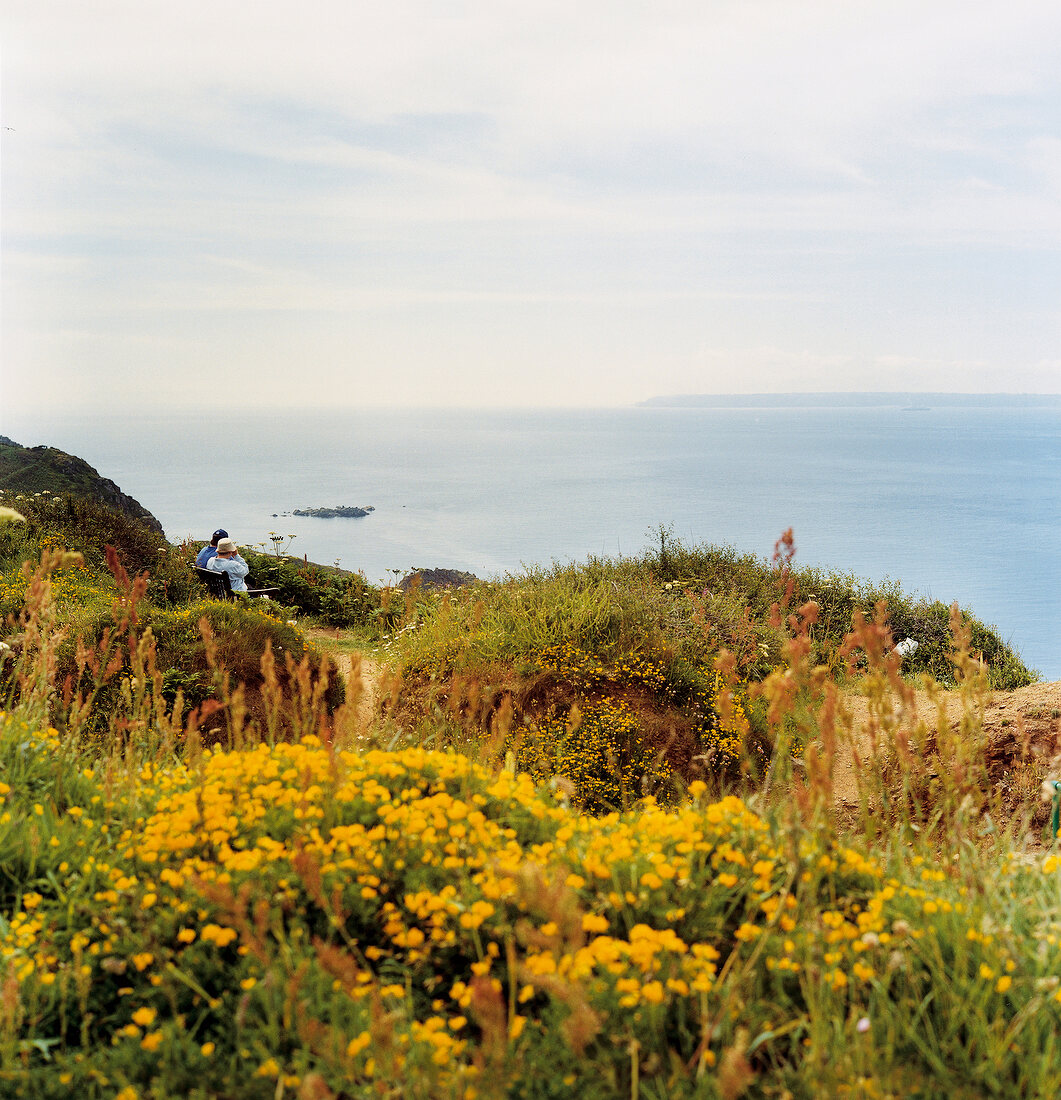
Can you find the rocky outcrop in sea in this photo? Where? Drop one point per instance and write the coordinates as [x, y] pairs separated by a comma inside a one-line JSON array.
[[341, 511]]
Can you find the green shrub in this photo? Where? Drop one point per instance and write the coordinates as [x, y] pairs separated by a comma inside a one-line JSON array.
[[89, 650], [242, 631], [730, 584], [575, 636], [333, 596], [88, 528], [517, 620]]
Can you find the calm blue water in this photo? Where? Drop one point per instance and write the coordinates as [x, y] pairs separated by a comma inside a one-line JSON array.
[[954, 503]]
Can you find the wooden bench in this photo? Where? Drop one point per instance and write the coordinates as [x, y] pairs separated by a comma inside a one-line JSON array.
[[219, 585]]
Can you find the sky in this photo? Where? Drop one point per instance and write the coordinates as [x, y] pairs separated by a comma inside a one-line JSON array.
[[341, 203]]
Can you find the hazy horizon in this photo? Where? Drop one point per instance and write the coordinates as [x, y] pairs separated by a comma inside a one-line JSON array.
[[15, 422]]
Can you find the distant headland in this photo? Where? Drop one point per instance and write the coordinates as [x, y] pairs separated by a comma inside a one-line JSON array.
[[901, 400]]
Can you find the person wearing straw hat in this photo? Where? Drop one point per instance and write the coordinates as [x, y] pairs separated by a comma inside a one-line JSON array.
[[228, 560]]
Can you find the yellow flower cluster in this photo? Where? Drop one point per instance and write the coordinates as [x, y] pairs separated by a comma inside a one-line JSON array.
[[723, 730], [589, 671], [418, 910], [601, 749], [71, 584]]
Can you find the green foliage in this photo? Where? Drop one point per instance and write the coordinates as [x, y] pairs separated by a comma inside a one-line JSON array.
[[333, 596], [700, 601], [929, 625], [300, 918], [44, 777], [239, 633], [572, 634], [93, 644], [303, 919], [522, 617], [88, 528], [732, 585]]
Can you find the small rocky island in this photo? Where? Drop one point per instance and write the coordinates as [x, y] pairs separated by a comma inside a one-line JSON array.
[[342, 511]]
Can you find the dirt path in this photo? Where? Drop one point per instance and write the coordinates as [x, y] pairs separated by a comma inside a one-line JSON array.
[[1030, 715], [362, 675]]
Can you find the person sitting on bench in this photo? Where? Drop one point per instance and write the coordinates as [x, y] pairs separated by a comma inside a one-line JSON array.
[[210, 551], [228, 560]]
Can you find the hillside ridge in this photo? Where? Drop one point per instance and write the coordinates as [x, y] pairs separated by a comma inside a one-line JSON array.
[[49, 470]]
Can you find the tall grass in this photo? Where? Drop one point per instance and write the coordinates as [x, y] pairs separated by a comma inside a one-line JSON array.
[[507, 662], [123, 668], [690, 601], [307, 920], [286, 915]]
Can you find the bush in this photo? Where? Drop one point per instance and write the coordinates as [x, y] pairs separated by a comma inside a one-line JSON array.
[[574, 636], [237, 635], [88, 528], [731, 585], [302, 918], [599, 676], [89, 651], [333, 596]]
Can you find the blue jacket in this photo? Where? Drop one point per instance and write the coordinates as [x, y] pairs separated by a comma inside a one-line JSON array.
[[205, 555], [236, 568]]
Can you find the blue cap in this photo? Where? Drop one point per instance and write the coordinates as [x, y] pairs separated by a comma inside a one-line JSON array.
[[220, 533]]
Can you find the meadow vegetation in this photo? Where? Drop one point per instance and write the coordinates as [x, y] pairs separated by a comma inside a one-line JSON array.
[[589, 846], [611, 674]]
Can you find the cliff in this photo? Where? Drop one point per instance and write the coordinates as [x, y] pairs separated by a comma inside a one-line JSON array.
[[49, 470]]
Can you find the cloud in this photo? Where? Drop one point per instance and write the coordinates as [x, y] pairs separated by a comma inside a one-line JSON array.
[[862, 188]]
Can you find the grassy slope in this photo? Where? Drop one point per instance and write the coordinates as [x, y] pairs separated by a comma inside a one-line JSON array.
[[298, 920], [31, 470]]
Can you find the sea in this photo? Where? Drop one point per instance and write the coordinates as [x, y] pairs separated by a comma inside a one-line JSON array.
[[955, 503]]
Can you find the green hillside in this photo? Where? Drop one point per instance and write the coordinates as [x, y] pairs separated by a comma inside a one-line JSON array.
[[579, 837], [29, 470]]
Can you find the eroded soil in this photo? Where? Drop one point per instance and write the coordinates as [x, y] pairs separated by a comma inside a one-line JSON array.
[[362, 675], [1020, 725]]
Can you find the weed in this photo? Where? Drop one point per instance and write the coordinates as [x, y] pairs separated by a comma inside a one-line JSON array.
[[280, 915]]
